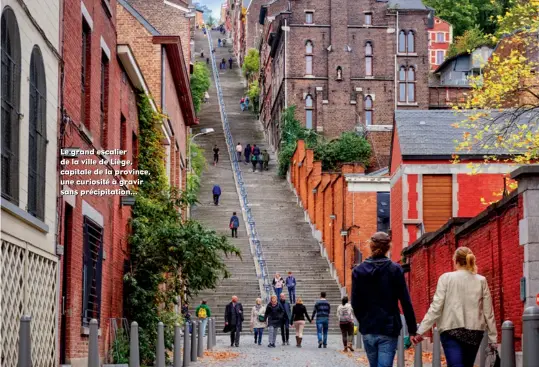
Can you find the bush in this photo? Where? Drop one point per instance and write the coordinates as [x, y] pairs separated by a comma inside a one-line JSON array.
[[251, 63], [349, 147], [200, 83]]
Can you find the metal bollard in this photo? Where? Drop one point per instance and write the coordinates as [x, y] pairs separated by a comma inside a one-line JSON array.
[[436, 349], [530, 339], [359, 343], [508, 344], [93, 345], [200, 347], [483, 351], [418, 356], [186, 345], [214, 333], [160, 353], [134, 355], [400, 349], [194, 344], [177, 346], [25, 342], [209, 345]]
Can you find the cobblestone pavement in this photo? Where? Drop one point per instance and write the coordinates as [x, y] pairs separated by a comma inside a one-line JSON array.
[[283, 356]]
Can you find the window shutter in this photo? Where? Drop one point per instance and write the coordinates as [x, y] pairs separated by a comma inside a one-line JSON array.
[[437, 201]]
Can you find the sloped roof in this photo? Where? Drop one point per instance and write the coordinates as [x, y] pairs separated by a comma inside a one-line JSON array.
[[431, 133], [407, 4]]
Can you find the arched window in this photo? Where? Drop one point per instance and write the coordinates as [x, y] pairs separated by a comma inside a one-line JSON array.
[[407, 84], [410, 42], [309, 58], [309, 111], [368, 59], [368, 110], [402, 42], [37, 145], [11, 80]]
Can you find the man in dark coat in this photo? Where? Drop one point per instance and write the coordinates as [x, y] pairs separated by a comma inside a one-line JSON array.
[[285, 326], [234, 320]]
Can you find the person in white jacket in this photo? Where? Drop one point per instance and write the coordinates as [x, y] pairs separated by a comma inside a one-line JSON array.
[[345, 314], [462, 311], [257, 320]]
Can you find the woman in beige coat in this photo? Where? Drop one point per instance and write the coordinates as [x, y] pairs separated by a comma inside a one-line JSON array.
[[462, 311], [257, 320]]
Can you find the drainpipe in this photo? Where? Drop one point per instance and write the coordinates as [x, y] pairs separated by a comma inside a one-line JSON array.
[[163, 65], [285, 66]]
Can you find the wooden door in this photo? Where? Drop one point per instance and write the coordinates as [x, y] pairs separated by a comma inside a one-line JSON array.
[[437, 201]]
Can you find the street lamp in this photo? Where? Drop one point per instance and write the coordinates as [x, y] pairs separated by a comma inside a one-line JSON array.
[[204, 131]]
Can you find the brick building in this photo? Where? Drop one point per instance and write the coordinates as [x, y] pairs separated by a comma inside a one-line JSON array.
[[99, 112], [427, 189], [506, 247], [346, 66], [30, 97], [253, 28], [159, 53], [440, 38], [239, 13], [344, 209], [199, 18]]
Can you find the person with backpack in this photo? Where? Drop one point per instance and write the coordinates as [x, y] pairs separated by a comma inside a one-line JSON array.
[[254, 161], [234, 224], [299, 313], [258, 322], [242, 104], [291, 285], [278, 283], [378, 287], [285, 325], [462, 310], [274, 317], [345, 315], [203, 312], [322, 309], [216, 193]]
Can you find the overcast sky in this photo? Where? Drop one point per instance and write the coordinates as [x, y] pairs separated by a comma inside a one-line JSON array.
[[214, 5]]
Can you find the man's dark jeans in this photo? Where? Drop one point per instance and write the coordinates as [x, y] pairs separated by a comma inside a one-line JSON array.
[[458, 354], [235, 335], [322, 326], [292, 294], [216, 199], [380, 349], [234, 232], [285, 331]]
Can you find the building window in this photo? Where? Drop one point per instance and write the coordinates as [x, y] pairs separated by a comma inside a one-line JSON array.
[[383, 208], [309, 17], [440, 55], [407, 84], [85, 76], [309, 112], [440, 38], [368, 110], [368, 18], [37, 145], [11, 79], [402, 42], [104, 95], [406, 42], [410, 42], [368, 59], [91, 271], [309, 58]]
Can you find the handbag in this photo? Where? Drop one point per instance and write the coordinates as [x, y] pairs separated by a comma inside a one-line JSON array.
[[261, 318]]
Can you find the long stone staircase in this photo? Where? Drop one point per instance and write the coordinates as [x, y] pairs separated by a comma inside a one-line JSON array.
[[286, 238]]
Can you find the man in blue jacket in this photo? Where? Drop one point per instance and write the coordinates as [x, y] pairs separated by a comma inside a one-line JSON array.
[[216, 193], [291, 285], [378, 286], [322, 309], [234, 224]]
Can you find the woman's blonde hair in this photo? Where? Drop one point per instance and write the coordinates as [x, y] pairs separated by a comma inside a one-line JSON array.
[[258, 301], [274, 296], [464, 257], [299, 301]]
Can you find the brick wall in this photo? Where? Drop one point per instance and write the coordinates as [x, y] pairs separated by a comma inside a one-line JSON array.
[[493, 236], [121, 102], [326, 194]]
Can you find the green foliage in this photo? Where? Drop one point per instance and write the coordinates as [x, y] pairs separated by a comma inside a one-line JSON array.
[[198, 164], [251, 63], [119, 352], [254, 94], [349, 147], [211, 21], [200, 83], [470, 40], [165, 249]]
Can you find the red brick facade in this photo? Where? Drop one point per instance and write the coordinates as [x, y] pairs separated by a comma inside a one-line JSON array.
[[119, 108], [493, 236], [335, 203], [440, 38], [340, 81]]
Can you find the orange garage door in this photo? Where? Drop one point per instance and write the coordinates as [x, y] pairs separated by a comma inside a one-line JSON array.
[[437, 201]]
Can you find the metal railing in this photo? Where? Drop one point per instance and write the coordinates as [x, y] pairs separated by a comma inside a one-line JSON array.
[[256, 247]]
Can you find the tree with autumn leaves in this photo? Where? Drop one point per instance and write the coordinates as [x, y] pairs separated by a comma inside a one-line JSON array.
[[501, 112]]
